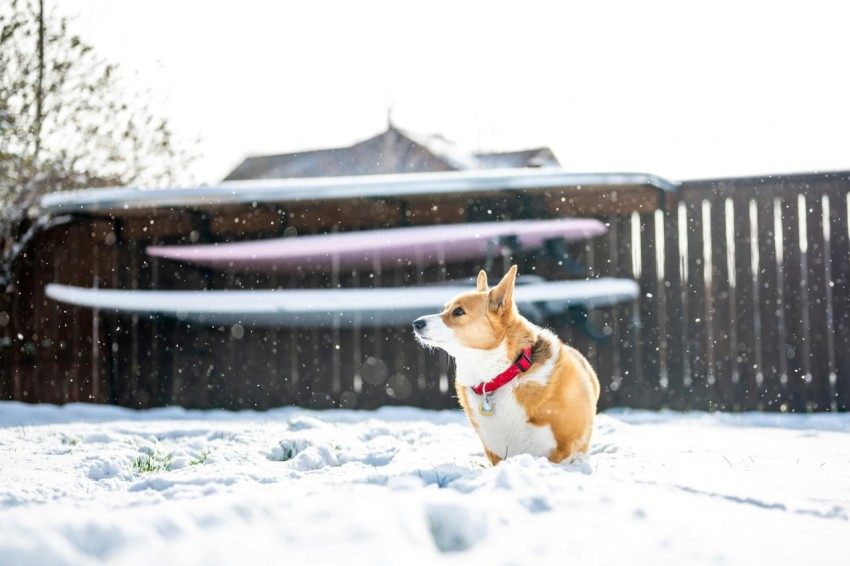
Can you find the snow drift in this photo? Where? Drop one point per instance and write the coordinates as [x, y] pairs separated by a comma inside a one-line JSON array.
[[101, 485]]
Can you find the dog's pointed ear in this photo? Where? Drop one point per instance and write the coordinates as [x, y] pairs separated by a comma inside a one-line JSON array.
[[502, 295], [482, 281]]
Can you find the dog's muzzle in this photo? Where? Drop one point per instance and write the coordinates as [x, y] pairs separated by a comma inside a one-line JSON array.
[[419, 324]]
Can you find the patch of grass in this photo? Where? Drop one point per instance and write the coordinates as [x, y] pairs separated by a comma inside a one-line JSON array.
[[287, 452], [69, 440], [226, 435], [288, 448], [201, 459], [155, 462]]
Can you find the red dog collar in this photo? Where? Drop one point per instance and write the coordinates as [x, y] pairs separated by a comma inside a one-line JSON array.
[[522, 364]]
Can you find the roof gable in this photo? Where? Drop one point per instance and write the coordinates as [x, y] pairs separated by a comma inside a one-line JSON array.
[[390, 152]]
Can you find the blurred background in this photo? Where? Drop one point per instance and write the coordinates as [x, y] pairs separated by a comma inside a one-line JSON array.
[[731, 239], [681, 90]]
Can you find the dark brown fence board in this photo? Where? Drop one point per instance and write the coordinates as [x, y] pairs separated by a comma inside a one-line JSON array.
[[349, 354], [373, 370], [820, 354], [317, 370], [769, 303], [343, 395], [428, 367], [644, 317], [690, 299], [829, 323], [723, 308], [676, 395], [629, 315], [694, 315], [32, 340], [74, 334], [648, 339], [612, 384], [781, 364], [288, 366], [400, 346], [840, 261], [6, 388], [607, 361], [661, 308], [748, 305], [796, 363], [709, 298]]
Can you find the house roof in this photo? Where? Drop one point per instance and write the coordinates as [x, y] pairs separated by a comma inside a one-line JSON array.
[[393, 151], [539, 157]]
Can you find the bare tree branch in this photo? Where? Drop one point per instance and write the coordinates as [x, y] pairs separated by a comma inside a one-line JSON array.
[[69, 123]]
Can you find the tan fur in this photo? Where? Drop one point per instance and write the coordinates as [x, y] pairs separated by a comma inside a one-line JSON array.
[[463, 399], [566, 402], [490, 314]]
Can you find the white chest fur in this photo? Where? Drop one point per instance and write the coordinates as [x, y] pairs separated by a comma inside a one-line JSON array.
[[507, 431]]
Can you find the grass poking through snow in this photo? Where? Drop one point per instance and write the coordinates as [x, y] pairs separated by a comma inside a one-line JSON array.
[[154, 462], [201, 459]]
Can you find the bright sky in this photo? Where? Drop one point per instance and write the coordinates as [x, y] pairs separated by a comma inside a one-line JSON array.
[[679, 89]]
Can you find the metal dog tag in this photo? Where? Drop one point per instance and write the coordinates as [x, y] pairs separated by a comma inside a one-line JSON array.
[[486, 408]]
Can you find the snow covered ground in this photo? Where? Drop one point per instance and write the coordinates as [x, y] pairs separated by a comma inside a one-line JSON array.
[[92, 485]]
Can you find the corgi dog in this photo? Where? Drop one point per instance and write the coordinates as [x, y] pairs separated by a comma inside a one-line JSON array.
[[524, 391]]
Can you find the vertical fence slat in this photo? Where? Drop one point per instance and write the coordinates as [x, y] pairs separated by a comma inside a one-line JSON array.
[[695, 317], [795, 336], [621, 266], [820, 354], [649, 345], [712, 301], [747, 311], [677, 396], [768, 303], [347, 369], [275, 386], [607, 362], [6, 388], [780, 355], [373, 369], [840, 258], [723, 313], [829, 283], [661, 306]]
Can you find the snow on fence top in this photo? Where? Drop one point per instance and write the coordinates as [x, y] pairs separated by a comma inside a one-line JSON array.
[[337, 188]]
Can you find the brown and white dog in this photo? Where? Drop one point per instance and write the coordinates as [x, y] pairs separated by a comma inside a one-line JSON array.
[[524, 391]]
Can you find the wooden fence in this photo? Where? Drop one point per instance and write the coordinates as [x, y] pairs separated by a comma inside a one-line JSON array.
[[745, 296], [744, 305]]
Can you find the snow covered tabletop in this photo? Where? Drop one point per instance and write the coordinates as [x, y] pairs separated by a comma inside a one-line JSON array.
[[88, 485], [363, 307]]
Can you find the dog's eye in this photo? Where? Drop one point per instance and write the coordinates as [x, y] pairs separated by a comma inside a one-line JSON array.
[[458, 312]]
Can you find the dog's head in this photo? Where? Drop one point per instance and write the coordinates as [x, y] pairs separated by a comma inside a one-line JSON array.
[[476, 320]]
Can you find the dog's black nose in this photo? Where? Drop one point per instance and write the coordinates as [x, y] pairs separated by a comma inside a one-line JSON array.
[[419, 324]]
